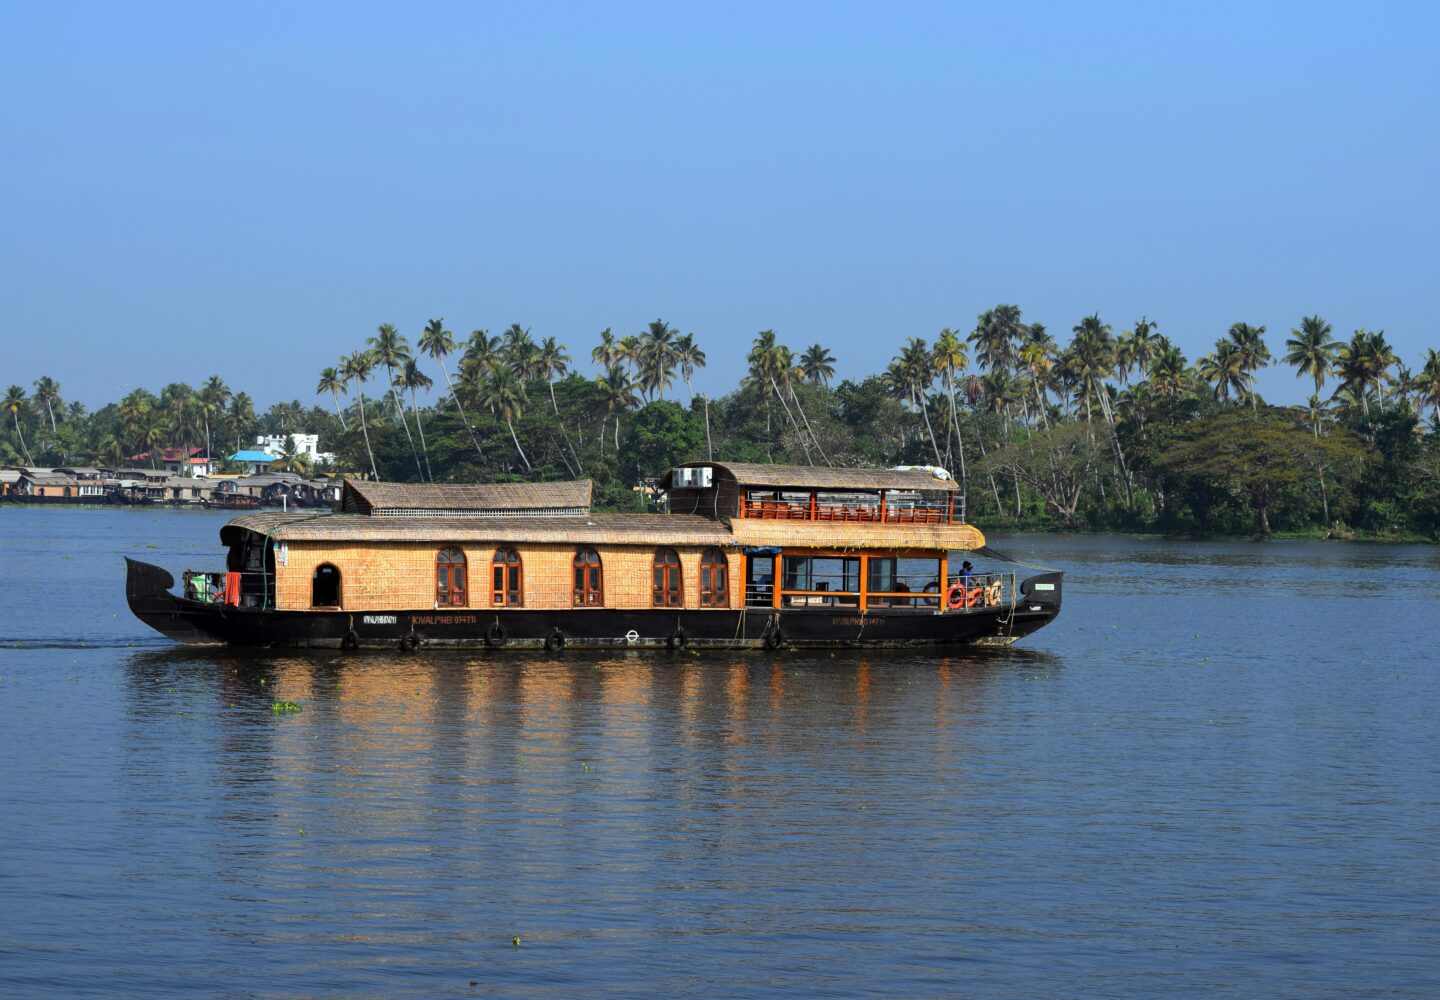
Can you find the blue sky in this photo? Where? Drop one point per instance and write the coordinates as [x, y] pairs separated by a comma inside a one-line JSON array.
[[251, 189]]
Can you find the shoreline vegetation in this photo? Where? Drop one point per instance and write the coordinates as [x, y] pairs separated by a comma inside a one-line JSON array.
[[1105, 433]]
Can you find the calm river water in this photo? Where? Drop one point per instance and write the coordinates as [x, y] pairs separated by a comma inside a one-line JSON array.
[[1217, 773]]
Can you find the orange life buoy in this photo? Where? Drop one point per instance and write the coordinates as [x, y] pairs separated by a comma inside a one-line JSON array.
[[972, 597], [955, 597]]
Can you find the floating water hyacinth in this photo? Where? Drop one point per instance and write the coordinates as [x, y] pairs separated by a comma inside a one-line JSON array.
[[286, 706]]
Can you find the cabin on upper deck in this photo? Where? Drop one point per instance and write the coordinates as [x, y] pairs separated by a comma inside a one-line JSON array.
[[814, 493]]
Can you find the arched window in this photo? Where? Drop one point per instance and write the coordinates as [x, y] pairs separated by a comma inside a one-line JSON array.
[[589, 582], [714, 579], [507, 591], [450, 578], [325, 587], [666, 589]]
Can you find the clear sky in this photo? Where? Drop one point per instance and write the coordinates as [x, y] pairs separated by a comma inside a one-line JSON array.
[[250, 189]]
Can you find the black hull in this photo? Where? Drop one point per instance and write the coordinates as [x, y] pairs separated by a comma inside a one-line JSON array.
[[196, 623]]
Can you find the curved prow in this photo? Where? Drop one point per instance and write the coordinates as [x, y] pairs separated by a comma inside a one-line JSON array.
[[145, 583], [147, 589], [1043, 590]]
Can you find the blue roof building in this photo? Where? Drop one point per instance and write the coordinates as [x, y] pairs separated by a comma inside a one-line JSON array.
[[257, 461]]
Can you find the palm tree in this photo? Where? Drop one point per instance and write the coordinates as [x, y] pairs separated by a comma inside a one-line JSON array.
[[242, 415], [209, 406], [1091, 359], [1427, 383], [771, 363], [996, 337], [950, 359], [391, 350], [1135, 348], [1363, 365], [150, 433], [1169, 373], [1038, 356], [356, 367], [1249, 344], [1224, 368], [15, 404], [504, 396], [608, 353], [331, 382], [438, 342], [1312, 352], [553, 362], [481, 355], [410, 378], [818, 364], [617, 394], [655, 357], [47, 394], [688, 356], [910, 375]]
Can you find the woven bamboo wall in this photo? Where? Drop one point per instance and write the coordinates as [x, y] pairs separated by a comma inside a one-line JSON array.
[[401, 577]]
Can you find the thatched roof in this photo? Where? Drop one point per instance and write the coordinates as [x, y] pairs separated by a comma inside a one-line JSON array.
[[487, 499], [820, 477], [856, 535], [593, 529]]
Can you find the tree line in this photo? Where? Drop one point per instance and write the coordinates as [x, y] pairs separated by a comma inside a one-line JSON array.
[[1103, 431]]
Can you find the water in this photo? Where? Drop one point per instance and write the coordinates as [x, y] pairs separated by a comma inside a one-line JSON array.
[[1216, 773]]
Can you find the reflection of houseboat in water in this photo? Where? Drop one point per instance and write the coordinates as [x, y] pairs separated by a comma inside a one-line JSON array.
[[748, 555]]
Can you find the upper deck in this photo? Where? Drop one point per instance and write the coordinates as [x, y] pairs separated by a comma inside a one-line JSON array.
[[749, 491]]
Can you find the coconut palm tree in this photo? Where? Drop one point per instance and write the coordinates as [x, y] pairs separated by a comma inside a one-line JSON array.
[[1312, 352], [47, 394], [438, 342], [1038, 356], [688, 356], [1427, 383], [209, 405], [818, 364], [391, 350], [242, 415], [1135, 348], [910, 375], [1363, 365], [950, 358], [410, 378], [608, 353], [655, 358], [331, 382], [553, 362], [1091, 361], [1224, 368], [997, 336], [15, 404], [1169, 374], [504, 395], [616, 389], [481, 355], [772, 364], [1249, 344], [356, 367]]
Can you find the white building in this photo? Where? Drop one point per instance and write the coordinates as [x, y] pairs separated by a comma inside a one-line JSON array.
[[305, 444]]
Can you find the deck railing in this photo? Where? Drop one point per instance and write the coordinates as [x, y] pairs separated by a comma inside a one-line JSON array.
[[890, 508]]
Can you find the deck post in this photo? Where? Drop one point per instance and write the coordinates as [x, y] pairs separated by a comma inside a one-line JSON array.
[[944, 582], [882, 506], [779, 577], [864, 582]]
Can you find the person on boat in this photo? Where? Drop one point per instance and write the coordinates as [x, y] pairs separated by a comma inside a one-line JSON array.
[[966, 571]]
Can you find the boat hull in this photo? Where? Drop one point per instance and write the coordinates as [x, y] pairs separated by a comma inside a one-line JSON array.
[[198, 623]]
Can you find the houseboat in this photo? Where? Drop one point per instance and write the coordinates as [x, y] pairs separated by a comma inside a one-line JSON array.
[[745, 556]]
